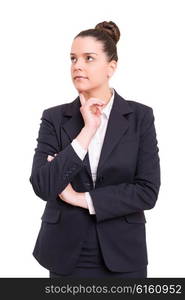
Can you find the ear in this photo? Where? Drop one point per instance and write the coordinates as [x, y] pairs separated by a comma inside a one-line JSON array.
[[111, 68]]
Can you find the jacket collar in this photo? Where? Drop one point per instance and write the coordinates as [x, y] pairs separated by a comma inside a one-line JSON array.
[[73, 107], [116, 128]]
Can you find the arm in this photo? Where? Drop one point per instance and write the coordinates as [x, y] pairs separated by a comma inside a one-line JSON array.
[[118, 200], [48, 179]]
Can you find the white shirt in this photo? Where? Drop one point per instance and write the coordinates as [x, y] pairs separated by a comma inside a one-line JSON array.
[[94, 148]]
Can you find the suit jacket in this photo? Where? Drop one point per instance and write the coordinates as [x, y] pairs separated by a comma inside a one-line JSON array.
[[127, 183]]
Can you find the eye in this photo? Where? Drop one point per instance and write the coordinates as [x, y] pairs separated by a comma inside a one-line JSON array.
[[72, 58], [89, 57]]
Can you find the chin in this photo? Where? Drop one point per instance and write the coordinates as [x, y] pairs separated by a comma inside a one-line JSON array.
[[81, 89]]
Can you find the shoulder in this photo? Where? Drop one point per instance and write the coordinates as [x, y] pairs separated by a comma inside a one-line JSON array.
[[55, 113], [143, 114], [138, 107], [139, 113], [55, 110]]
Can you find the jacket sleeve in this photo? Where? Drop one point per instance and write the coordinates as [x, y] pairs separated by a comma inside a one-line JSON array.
[[48, 179], [118, 200]]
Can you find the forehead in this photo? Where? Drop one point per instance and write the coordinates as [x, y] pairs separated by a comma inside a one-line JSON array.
[[86, 44]]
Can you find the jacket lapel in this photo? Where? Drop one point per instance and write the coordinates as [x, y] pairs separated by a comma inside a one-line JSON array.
[[116, 128]]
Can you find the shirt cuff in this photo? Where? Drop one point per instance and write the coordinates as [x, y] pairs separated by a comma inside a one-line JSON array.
[[81, 152], [90, 203]]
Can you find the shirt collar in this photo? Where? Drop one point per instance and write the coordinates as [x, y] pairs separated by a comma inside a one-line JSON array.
[[107, 109]]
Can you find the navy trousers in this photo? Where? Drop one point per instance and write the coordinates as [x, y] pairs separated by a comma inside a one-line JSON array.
[[91, 263]]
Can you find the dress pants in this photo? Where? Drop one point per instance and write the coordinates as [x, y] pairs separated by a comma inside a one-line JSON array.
[[91, 263]]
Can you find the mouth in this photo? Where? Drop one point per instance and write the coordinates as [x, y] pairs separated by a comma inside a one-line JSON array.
[[80, 77]]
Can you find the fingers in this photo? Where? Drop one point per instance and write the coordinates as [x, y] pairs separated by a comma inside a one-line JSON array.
[[95, 106], [96, 109], [95, 101], [90, 101], [99, 111], [50, 157]]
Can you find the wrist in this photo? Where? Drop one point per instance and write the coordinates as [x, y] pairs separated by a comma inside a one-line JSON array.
[[84, 137], [80, 200], [89, 131]]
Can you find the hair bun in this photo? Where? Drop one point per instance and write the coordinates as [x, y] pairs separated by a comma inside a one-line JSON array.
[[110, 28]]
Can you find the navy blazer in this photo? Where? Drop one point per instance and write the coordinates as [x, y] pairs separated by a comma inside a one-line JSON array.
[[127, 183]]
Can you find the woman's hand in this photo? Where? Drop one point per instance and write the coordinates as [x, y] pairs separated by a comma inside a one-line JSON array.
[[91, 112], [69, 195]]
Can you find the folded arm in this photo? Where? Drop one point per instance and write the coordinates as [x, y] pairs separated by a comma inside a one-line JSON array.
[[48, 179], [125, 198]]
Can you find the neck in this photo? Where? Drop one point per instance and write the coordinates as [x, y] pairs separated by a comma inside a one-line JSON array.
[[104, 93]]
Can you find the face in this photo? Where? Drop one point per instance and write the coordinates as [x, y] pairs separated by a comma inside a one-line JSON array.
[[90, 62]]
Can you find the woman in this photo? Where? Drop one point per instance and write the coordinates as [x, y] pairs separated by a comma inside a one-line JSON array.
[[97, 167]]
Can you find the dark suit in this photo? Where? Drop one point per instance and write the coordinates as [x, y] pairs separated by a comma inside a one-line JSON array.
[[128, 182]]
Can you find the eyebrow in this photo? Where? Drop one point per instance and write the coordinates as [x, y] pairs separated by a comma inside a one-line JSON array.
[[85, 53]]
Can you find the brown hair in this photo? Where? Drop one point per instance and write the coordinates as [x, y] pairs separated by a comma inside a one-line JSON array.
[[108, 33]]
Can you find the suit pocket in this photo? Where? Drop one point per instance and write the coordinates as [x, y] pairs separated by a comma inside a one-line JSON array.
[[51, 215], [135, 218]]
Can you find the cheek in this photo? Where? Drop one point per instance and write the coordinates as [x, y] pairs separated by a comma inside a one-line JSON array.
[[98, 74]]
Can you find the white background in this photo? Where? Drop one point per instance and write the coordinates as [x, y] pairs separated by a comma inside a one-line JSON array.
[[35, 39]]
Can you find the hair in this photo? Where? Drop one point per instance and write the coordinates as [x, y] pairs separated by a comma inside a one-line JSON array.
[[106, 32]]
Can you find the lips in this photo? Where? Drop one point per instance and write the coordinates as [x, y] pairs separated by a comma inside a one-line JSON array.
[[82, 77]]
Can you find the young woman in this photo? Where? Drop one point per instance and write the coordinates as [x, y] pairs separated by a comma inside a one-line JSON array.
[[97, 167]]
